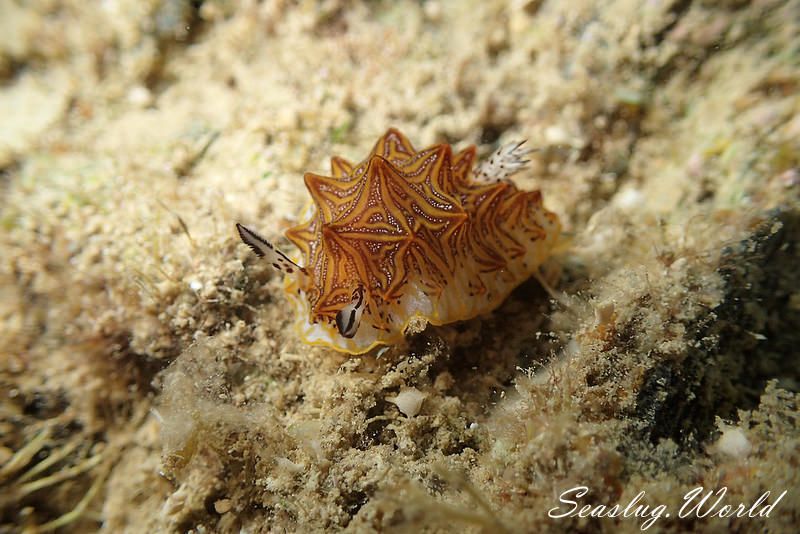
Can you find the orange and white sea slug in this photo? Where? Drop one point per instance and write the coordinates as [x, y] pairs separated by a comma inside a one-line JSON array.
[[409, 234]]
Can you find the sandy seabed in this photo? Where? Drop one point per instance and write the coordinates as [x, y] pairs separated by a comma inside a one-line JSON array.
[[150, 380]]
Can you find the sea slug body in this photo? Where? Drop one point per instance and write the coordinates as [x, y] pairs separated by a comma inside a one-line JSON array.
[[407, 234]]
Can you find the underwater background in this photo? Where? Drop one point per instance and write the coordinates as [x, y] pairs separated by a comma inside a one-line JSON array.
[[150, 380]]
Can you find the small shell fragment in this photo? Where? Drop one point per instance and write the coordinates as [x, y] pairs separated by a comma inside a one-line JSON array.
[[733, 442], [408, 401], [223, 506]]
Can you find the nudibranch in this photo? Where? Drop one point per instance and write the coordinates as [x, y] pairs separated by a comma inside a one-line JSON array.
[[409, 234]]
